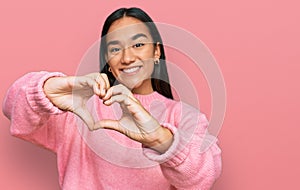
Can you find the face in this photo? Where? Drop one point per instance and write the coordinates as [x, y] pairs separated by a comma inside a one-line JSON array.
[[131, 53]]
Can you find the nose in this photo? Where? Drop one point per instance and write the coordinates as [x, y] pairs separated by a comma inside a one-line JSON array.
[[128, 56]]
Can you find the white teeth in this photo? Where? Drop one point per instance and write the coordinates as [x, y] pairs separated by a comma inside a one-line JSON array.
[[131, 70]]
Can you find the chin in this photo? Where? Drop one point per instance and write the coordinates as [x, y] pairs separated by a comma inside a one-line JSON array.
[[132, 84]]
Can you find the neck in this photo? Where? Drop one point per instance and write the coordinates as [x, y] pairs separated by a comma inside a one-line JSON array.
[[144, 89]]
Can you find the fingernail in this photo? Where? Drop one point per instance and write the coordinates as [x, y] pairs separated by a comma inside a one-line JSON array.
[[107, 102]]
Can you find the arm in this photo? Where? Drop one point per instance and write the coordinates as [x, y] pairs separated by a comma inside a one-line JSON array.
[[33, 117], [179, 153], [184, 164], [38, 102]]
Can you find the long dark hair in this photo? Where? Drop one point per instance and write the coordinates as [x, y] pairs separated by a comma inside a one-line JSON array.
[[160, 78]]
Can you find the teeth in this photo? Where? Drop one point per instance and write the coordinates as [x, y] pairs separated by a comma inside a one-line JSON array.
[[131, 70]]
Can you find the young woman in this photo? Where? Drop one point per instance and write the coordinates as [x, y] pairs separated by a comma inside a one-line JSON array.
[[131, 133]]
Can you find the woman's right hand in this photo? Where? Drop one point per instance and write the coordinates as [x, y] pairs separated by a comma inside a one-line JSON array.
[[70, 93]]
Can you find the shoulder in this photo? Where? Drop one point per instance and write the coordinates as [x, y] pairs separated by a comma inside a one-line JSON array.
[[179, 106]]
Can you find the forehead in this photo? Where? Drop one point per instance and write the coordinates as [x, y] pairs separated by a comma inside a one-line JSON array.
[[125, 28]]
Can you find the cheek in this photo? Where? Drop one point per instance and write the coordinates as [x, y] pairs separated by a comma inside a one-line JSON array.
[[147, 53], [113, 63], [113, 60], [149, 67]]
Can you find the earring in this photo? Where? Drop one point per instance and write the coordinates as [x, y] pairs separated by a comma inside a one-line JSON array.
[[109, 69], [156, 61]]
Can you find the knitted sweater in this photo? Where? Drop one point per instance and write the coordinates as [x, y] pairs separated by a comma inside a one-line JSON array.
[[106, 159]]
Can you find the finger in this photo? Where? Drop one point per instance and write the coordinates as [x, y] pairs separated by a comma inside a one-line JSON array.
[[128, 105], [82, 83], [91, 83], [96, 89], [116, 90], [105, 77], [132, 105], [120, 98], [86, 117], [108, 93], [109, 124], [101, 84]]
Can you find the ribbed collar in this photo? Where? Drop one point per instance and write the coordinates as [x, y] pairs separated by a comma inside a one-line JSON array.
[[148, 98]]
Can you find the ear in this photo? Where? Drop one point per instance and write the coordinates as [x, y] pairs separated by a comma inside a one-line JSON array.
[[157, 51]]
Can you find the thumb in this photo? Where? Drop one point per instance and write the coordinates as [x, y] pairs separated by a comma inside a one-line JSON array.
[[109, 124], [86, 117]]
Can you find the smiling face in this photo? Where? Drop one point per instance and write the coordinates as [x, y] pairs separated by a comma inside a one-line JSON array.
[[131, 53]]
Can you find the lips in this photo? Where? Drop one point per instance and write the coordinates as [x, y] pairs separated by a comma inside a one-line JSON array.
[[131, 70]]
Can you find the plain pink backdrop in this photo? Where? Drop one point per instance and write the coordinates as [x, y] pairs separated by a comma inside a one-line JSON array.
[[256, 44]]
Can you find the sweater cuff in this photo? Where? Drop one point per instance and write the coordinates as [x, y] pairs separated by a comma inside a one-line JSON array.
[[176, 153], [36, 96]]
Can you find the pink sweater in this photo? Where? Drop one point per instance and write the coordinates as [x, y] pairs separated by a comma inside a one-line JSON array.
[[105, 159]]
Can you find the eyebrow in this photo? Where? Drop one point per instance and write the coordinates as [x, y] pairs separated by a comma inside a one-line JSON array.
[[114, 42], [136, 36], [139, 35]]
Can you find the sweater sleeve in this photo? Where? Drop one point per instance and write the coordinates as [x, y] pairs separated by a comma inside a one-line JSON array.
[[32, 116], [185, 164]]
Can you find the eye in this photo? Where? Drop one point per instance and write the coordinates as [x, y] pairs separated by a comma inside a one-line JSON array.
[[114, 50], [137, 45]]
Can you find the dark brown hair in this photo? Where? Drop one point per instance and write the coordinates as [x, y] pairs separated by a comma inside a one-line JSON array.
[[160, 79]]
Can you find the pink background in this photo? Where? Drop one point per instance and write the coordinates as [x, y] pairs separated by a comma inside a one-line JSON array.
[[256, 45]]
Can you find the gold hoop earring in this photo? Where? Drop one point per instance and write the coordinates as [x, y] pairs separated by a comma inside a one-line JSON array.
[[109, 69], [156, 62]]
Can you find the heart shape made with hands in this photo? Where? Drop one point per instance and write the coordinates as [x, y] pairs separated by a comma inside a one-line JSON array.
[[136, 122], [72, 93]]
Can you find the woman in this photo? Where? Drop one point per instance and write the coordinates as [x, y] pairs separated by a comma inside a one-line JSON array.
[[153, 141]]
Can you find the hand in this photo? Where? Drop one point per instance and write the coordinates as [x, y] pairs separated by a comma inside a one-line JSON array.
[[72, 92], [136, 122]]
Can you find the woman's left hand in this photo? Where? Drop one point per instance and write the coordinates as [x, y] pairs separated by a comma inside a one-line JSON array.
[[136, 122]]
